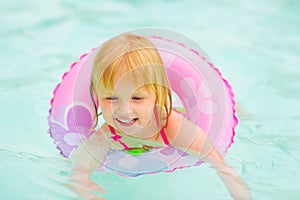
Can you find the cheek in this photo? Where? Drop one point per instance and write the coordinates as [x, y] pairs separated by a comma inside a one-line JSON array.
[[146, 109], [106, 108], [106, 112]]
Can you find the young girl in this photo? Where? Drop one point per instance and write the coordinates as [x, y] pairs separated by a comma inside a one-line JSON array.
[[130, 83]]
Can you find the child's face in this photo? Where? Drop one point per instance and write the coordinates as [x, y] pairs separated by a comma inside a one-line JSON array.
[[130, 108]]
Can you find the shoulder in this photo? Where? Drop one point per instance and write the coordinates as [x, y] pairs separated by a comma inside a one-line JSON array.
[[97, 145], [104, 129], [174, 124], [177, 121], [101, 135], [181, 131]]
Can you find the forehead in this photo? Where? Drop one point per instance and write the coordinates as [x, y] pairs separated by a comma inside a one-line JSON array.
[[127, 83], [134, 76], [130, 83]]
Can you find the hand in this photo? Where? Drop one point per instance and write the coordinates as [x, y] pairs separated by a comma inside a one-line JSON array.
[[84, 187], [234, 183]]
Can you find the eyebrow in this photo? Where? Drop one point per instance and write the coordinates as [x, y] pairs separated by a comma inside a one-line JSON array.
[[145, 92], [103, 94]]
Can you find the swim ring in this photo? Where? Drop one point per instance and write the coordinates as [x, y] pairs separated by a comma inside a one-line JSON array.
[[205, 96]]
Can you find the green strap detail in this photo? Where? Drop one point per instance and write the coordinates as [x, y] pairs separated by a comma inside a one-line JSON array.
[[137, 151]]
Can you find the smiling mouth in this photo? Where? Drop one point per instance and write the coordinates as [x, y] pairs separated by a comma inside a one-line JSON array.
[[126, 122]]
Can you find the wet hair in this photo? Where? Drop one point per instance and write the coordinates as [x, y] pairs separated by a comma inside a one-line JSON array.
[[128, 53]]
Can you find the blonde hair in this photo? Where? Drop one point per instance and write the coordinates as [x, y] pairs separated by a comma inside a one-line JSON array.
[[132, 53]]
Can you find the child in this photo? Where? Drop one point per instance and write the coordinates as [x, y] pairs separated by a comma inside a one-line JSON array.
[[131, 86]]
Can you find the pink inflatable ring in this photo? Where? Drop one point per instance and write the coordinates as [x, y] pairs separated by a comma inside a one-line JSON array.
[[204, 95]]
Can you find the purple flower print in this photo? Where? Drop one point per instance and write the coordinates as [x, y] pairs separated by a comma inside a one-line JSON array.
[[170, 151], [198, 99], [75, 129]]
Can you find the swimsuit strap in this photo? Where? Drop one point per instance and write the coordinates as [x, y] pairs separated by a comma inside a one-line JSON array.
[[117, 137], [132, 151], [164, 137], [162, 131]]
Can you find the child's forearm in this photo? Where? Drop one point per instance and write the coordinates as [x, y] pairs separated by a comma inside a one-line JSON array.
[[234, 183], [91, 153], [86, 159]]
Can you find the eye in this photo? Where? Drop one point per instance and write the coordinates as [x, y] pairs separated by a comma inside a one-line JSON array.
[[112, 98], [137, 98]]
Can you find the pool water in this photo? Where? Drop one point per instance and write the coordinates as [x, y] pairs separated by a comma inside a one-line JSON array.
[[256, 45]]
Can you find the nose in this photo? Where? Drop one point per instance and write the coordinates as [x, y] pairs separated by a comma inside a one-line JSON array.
[[123, 109]]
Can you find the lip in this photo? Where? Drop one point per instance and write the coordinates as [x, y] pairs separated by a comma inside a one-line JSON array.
[[126, 122]]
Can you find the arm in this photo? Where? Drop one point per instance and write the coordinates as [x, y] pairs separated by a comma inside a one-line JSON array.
[[233, 181], [89, 155], [185, 135]]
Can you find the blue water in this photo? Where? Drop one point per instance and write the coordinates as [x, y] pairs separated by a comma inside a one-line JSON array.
[[256, 44]]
